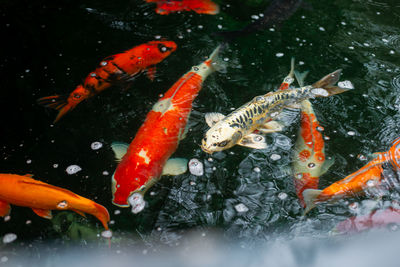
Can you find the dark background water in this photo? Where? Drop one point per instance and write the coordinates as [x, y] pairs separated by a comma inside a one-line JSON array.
[[48, 47]]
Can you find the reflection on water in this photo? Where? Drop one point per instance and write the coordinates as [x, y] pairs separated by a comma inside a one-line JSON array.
[[246, 194]]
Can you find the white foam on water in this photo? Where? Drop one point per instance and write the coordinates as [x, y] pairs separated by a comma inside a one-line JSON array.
[[137, 202], [241, 207], [9, 238]]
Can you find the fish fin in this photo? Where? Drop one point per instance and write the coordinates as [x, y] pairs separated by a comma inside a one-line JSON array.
[[213, 117], [119, 150], [175, 166], [300, 77], [43, 213], [216, 62], [309, 196], [271, 127], [57, 102], [327, 164], [327, 85], [4, 208], [151, 72], [255, 141], [79, 212], [289, 78]]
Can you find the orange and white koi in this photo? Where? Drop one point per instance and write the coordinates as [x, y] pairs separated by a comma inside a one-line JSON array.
[[165, 7], [42, 198], [370, 175], [309, 150], [147, 157], [123, 67]]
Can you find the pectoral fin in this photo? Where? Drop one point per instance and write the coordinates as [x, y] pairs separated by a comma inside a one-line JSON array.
[[43, 213], [271, 127], [327, 164], [119, 150], [175, 166], [213, 117], [300, 77], [256, 141], [4, 208], [151, 73]]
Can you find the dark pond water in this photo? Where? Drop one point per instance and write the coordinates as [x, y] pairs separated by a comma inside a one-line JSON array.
[[48, 47]]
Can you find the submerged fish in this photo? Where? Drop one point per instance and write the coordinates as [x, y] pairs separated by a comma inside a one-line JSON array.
[[123, 67], [309, 151], [375, 219], [158, 137], [42, 198], [259, 114], [369, 175], [165, 7]]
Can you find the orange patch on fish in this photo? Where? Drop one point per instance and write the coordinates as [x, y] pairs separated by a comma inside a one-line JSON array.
[[304, 155]]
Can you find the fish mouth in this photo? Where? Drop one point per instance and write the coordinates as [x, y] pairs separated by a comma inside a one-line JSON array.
[[206, 150]]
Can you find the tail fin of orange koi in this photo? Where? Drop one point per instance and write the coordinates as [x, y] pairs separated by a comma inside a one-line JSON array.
[[57, 102], [325, 87], [310, 196], [101, 213]]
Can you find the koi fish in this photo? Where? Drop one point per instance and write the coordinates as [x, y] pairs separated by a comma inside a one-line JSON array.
[[376, 219], [123, 67], [355, 183], [42, 198], [238, 127], [165, 7], [309, 151], [147, 157]]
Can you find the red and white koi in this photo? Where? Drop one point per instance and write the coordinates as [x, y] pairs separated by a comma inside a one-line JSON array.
[[147, 157]]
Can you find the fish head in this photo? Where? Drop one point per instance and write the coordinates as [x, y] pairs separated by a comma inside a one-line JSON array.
[[156, 51], [124, 184], [220, 137]]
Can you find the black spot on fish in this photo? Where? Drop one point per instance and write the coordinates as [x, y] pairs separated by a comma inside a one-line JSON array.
[[259, 110], [247, 113], [235, 125], [255, 110], [251, 113]]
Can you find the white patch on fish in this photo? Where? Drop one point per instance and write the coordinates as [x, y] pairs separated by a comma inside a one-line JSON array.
[[143, 155]]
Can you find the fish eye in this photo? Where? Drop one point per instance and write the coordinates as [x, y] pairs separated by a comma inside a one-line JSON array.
[[214, 144], [77, 96], [205, 139], [163, 48], [223, 143]]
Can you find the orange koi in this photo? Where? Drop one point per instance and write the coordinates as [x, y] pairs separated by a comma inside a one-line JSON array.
[[147, 157], [165, 7], [42, 198], [355, 183], [123, 67]]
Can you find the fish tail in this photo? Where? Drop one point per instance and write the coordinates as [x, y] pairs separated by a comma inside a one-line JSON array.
[[101, 213], [310, 196], [328, 82], [300, 77], [57, 102], [215, 62]]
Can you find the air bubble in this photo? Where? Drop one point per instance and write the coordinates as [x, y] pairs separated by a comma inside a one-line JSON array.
[[73, 169], [9, 238], [241, 207], [96, 145], [275, 157], [196, 167], [106, 234], [256, 169], [351, 133], [279, 54], [137, 202], [282, 195]]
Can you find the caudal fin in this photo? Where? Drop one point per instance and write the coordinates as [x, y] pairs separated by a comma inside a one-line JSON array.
[[325, 87], [310, 196], [102, 215], [215, 61], [57, 102]]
